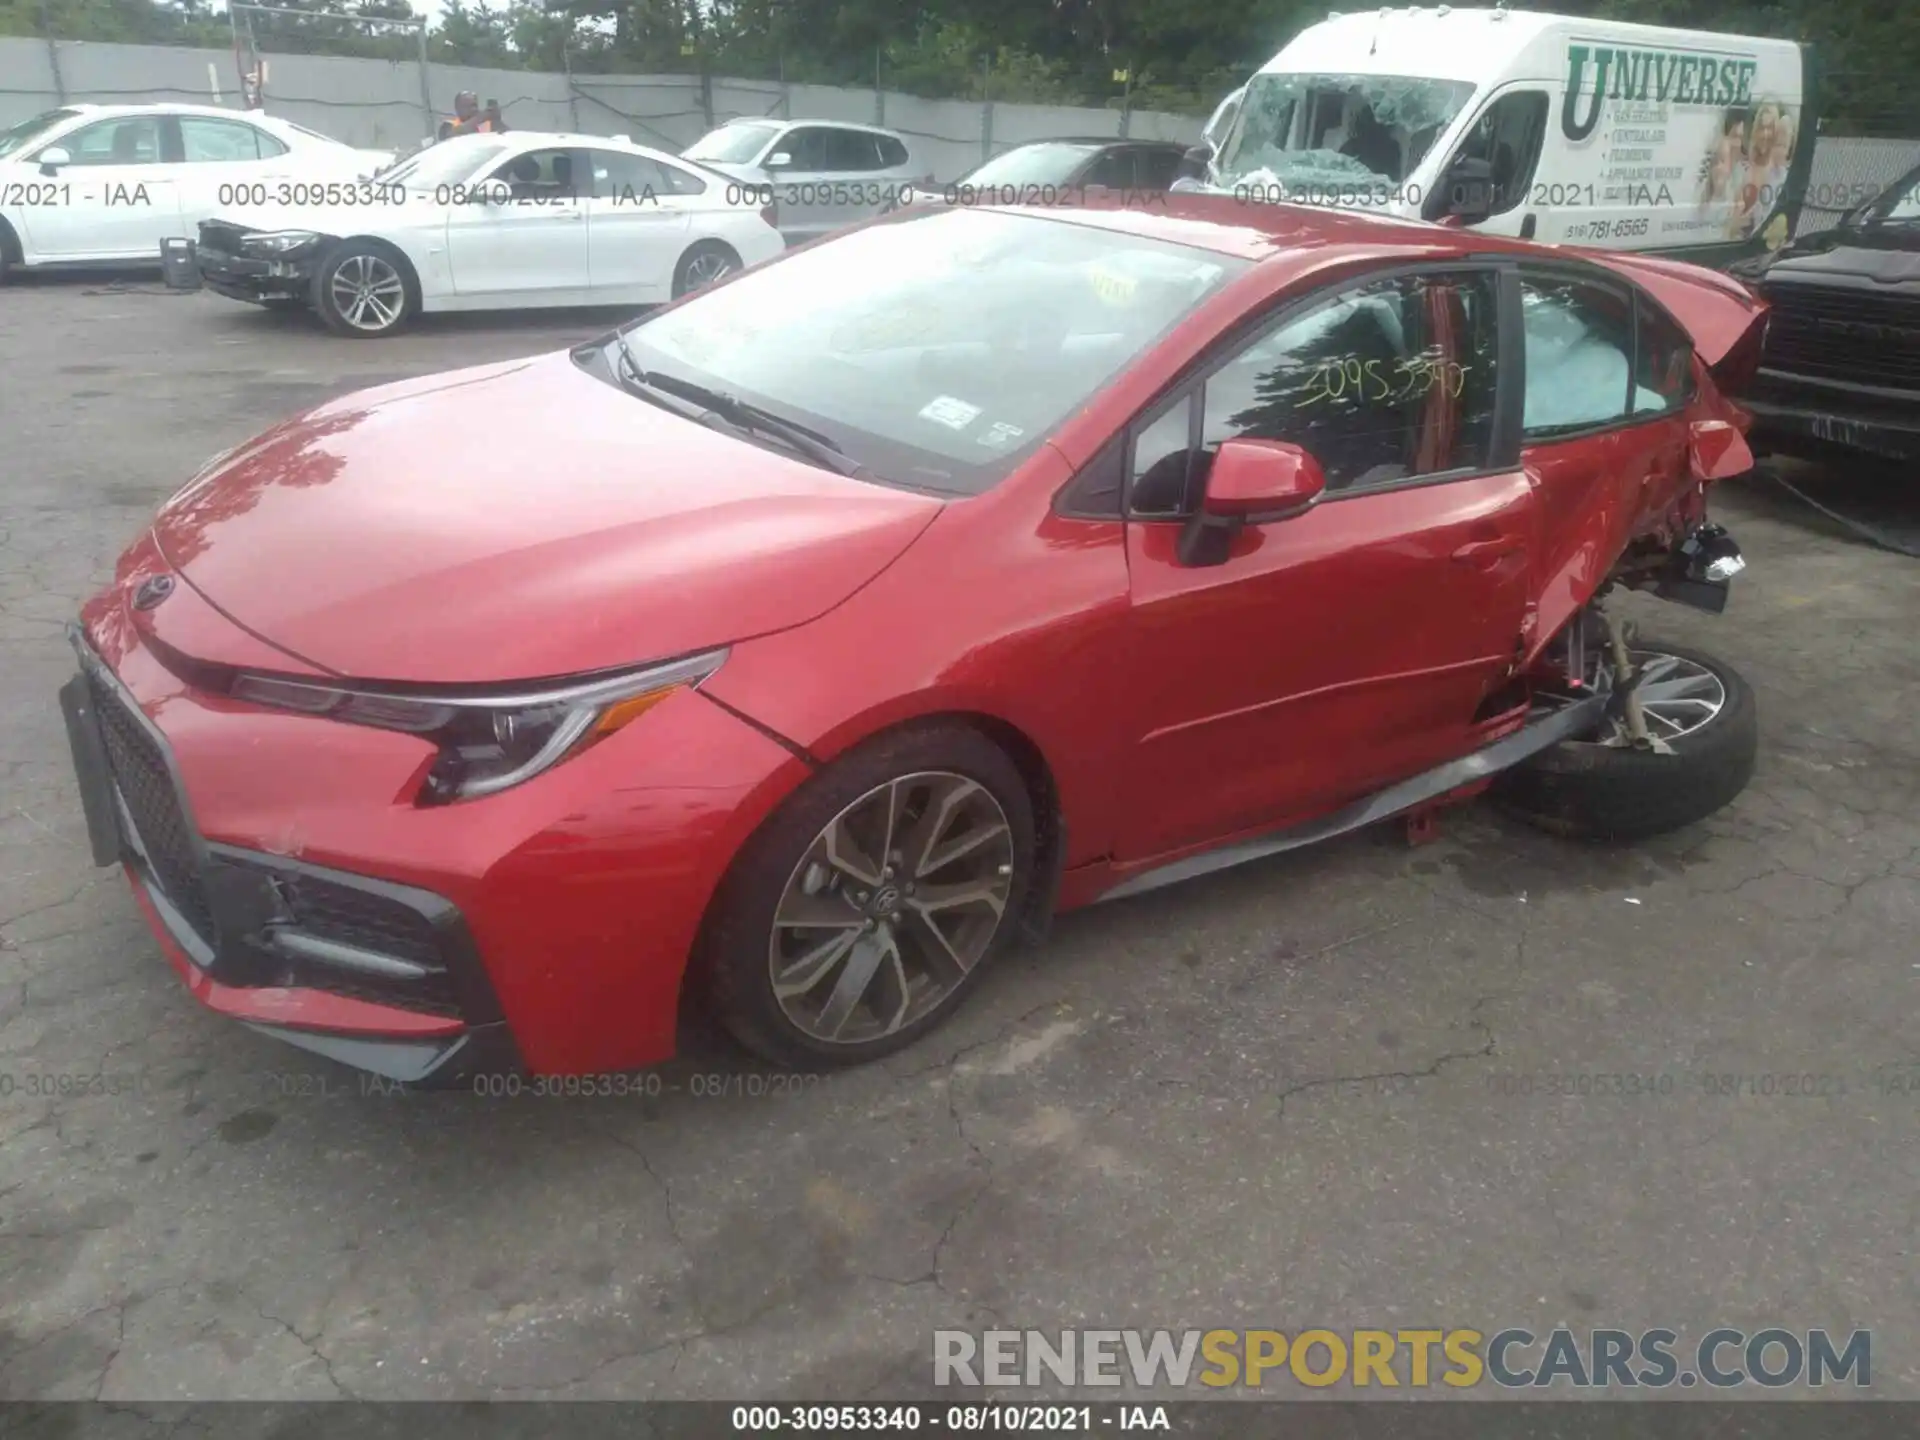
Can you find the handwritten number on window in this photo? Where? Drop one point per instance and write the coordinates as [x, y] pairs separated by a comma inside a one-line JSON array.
[[1368, 382]]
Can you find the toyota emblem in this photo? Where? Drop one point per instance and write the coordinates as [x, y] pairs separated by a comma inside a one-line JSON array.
[[152, 591]]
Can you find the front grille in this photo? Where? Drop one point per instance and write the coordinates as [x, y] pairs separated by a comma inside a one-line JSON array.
[[1861, 337], [146, 786]]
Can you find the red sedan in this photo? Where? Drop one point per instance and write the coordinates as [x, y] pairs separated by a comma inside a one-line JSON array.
[[814, 638]]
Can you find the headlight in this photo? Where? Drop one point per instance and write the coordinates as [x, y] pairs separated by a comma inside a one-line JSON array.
[[279, 242], [491, 742]]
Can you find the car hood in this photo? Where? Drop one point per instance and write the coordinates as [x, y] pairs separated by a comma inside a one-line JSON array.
[[334, 220], [1885, 255], [520, 521], [751, 174]]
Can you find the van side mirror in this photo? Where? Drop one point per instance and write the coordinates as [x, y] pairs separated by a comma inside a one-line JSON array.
[[53, 158], [496, 192], [1470, 190], [1249, 482]]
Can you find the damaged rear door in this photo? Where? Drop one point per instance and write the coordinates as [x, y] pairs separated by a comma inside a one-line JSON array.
[[1607, 419]]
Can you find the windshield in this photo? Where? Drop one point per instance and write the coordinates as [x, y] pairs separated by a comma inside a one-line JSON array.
[[1050, 163], [1222, 120], [443, 164], [311, 134], [939, 351], [1304, 131], [731, 144], [26, 130]]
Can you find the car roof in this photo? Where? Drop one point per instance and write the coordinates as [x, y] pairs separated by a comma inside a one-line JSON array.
[[168, 107], [829, 124], [1097, 142], [1251, 231], [569, 138]]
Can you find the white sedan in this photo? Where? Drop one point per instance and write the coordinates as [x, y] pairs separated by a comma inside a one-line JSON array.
[[105, 184], [491, 222]]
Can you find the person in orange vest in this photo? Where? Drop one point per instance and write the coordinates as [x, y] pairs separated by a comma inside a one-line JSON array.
[[469, 119]]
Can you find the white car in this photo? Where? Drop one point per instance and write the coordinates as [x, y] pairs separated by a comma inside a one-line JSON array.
[[105, 184], [819, 175], [492, 222]]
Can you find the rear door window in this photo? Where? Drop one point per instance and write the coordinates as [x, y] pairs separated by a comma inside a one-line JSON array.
[[852, 152], [1579, 337], [1662, 363]]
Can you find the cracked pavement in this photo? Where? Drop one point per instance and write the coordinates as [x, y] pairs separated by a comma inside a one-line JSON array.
[[1318, 1091]]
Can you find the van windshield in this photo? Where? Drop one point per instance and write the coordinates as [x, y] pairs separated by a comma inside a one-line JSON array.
[[1300, 132]]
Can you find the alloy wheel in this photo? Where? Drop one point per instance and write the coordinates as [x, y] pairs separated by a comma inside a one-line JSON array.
[[706, 268], [368, 292], [1677, 695], [891, 906]]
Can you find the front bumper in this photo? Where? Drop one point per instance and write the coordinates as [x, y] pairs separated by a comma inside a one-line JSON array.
[[247, 277], [294, 885], [1790, 419], [381, 976]]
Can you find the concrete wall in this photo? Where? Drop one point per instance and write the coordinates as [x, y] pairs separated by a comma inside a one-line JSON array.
[[380, 104]]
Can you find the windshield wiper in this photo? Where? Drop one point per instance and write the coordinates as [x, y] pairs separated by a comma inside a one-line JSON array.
[[741, 415], [637, 382]]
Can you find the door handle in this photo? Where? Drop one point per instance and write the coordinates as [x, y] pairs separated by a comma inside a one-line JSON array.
[[1485, 554]]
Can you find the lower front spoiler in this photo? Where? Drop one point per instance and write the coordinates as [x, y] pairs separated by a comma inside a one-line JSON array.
[[418, 1050]]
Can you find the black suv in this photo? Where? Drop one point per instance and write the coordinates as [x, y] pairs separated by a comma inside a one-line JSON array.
[[1840, 369]]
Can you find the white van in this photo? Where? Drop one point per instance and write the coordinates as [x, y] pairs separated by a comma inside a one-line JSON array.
[[1548, 127]]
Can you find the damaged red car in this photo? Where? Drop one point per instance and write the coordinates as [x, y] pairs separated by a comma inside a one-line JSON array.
[[809, 641]]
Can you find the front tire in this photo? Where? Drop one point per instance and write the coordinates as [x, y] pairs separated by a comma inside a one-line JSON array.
[[864, 911], [364, 290], [1707, 716]]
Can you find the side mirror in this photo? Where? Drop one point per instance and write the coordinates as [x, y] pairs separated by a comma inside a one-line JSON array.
[[1470, 190], [496, 192], [1250, 482], [53, 158], [779, 160]]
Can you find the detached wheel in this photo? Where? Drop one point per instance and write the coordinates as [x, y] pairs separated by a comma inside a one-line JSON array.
[[1693, 702], [706, 263], [863, 912], [364, 290]]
